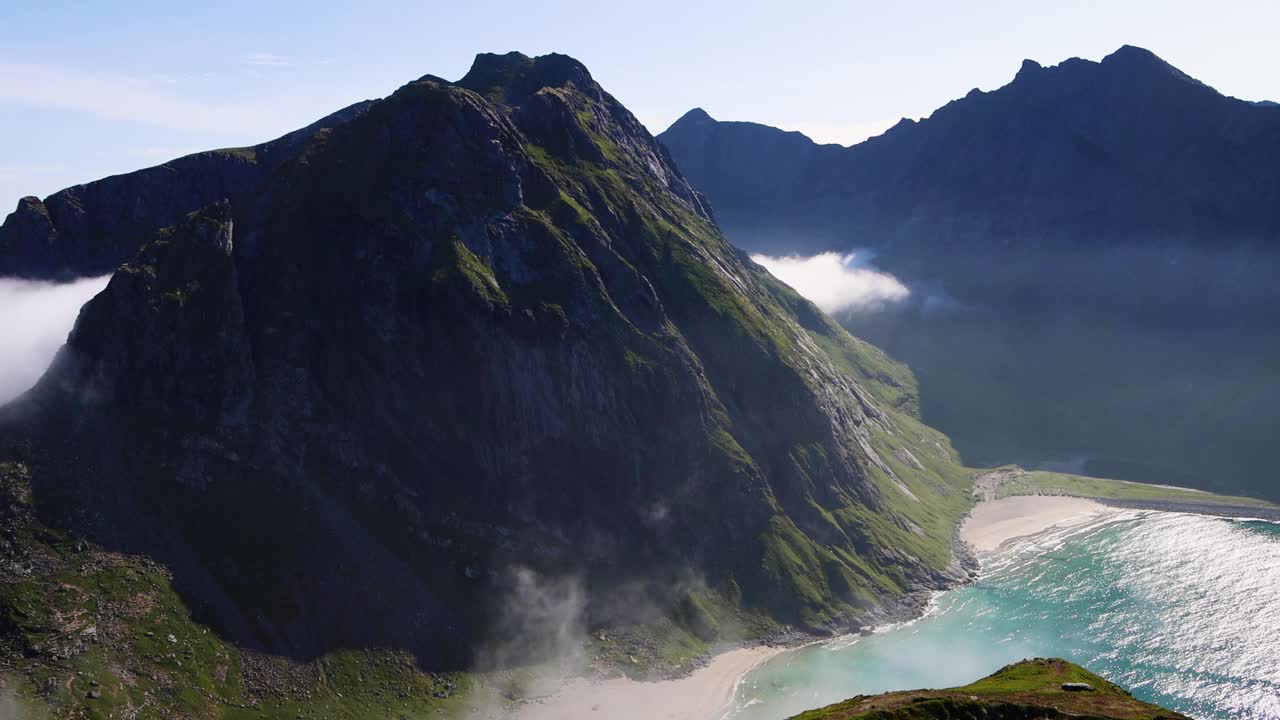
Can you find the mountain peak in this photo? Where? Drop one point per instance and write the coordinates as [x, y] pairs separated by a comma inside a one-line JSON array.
[[1135, 61], [1133, 55], [1029, 68], [513, 76], [696, 115], [696, 120]]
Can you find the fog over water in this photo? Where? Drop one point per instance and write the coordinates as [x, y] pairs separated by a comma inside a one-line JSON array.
[[1181, 609], [35, 318], [836, 281]]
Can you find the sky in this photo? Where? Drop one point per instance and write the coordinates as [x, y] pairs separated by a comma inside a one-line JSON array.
[[88, 90]]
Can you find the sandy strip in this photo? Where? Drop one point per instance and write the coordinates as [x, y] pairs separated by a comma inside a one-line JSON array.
[[995, 522], [704, 695]]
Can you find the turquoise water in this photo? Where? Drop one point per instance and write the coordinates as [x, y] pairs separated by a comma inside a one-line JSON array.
[[1184, 610]]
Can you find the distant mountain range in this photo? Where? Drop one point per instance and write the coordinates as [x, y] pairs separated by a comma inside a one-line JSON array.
[[1087, 153], [1093, 251]]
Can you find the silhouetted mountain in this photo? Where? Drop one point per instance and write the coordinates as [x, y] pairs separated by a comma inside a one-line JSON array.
[[1089, 153]]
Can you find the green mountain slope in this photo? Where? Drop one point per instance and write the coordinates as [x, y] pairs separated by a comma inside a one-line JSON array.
[[1025, 690], [471, 374]]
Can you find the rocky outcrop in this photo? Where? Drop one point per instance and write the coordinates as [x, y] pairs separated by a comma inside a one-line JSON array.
[[484, 331], [89, 229]]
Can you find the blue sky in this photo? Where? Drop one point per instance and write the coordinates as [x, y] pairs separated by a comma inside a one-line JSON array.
[[88, 90]]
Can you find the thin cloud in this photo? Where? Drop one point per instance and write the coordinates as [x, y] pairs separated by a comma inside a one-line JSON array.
[[261, 59], [120, 97], [35, 318], [835, 282]]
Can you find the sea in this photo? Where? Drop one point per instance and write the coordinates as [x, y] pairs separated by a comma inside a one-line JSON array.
[[1183, 610]]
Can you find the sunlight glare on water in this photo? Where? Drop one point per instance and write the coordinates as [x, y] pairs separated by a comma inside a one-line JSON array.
[[1184, 610]]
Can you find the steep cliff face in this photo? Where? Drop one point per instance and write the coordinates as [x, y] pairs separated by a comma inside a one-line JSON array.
[[484, 326], [88, 230]]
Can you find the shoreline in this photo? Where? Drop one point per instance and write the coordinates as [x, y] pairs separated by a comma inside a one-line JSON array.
[[707, 692], [704, 694], [1239, 512], [993, 524]]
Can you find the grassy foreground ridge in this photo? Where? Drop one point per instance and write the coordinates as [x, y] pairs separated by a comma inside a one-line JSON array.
[[1029, 689]]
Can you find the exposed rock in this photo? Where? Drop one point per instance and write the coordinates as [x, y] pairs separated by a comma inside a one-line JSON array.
[[1077, 687], [481, 338]]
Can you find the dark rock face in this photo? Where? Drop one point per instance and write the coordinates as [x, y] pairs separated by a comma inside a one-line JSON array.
[[483, 325], [90, 229], [1092, 250]]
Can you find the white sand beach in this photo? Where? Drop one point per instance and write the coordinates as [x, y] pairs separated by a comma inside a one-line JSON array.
[[704, 695], [995, 522]]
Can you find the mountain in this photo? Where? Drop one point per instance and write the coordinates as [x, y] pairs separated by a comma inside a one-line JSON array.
[[1091, 251], [1083, 152], [476, 362], [1029, 689], [88, 230]]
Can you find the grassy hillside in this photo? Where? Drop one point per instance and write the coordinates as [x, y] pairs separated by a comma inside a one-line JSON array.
[[88, 633], [1026, 690], [1051, 483]]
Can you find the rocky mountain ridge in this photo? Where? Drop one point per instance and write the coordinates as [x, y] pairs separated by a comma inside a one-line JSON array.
[[1084, 153], [88, 230], [481, 341]]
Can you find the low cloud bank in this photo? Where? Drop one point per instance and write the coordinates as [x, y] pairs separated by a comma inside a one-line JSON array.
[[35, 318], [835, 281]]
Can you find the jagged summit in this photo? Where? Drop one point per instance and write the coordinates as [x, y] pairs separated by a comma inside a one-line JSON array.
[[1143, 66], [1134, 56], [513, 76], [696, 116], [1029, 68]]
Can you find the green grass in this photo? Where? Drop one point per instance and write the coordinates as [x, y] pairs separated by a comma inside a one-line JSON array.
[[1051, 483], [105, 635], [456, 263], [1022, 691]]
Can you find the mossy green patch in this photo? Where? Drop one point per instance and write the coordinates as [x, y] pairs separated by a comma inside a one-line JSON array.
[[1029, 690], [453, 263], [105, 635]]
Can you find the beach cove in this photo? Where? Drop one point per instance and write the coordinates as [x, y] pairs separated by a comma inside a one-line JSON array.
[[708, 693]]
